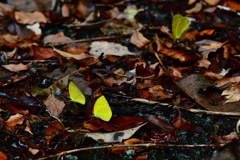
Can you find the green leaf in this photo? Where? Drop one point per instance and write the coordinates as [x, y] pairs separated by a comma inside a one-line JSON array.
[[180, 25]]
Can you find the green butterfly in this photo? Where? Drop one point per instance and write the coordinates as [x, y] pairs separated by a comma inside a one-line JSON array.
[[180, 25]]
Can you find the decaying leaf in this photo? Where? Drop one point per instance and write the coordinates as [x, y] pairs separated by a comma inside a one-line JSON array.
[[30, 18], [53, 105], [196, 84], [16, 67], [138, 39], [109, 48], [13, 121], [196, 9], [232, 93], [206, 46], [175, 54], [114, 137]]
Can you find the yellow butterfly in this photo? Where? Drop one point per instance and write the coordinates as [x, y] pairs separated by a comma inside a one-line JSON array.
[[102, 109], [75, 94], [180, 25]]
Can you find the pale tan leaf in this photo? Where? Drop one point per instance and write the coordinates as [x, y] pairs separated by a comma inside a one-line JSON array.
[[80, 56], [204, 63], [53, 105], [232, 93], [225, 80], [138, 39], [191, 2], [206, 46], [109, 48], [196, 9], [30, 18], [16, 67]]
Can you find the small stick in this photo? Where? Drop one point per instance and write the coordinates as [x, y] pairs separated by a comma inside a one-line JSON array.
[[137, 145]]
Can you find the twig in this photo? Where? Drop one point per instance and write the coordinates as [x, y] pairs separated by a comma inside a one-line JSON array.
[[83, 40], [137, 145]]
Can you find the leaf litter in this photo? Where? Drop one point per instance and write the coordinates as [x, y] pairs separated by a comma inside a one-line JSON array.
[[187, 91]]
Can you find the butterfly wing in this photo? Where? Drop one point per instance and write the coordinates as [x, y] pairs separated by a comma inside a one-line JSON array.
[[102, 109], [75, 94], [180, 25]]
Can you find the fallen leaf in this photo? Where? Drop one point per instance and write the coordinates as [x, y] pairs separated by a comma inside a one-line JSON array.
[[196, 85], [160, 125], [204, 63], [206, 46], [120, 150], [212, 2], [80, 56], [179, 122], [158, 92], [196, 9], [3, 156], [53, 105], [233, 5], [56, 39], [208, 32], [30, 18], [16, 67], [232, 93], [13, 121], [53, 129], [138, 39], [191, 2], [175, 54], [113, 137], [108, 48], [221, 82]]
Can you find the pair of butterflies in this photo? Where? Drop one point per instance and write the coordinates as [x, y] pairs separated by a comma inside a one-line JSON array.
[[101, 107]]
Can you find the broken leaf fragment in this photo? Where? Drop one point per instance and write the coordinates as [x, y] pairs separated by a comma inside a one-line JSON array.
[[114, 137], [102, 109], [75, 94], [180, 25]]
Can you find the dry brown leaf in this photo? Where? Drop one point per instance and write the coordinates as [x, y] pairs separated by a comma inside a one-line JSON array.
[[228, 50], [191, 2], [196, 9], [28, 127], [175, 54], [232, 93], [14, 120], [158, 91], [53, 105], [208, 32], [204, 63], [212, 75], [206, 46], [212, 2], [166, 30], [225, 80], [138, 39], [16, 67], [30, 18], [233, 5], [57, 39]]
